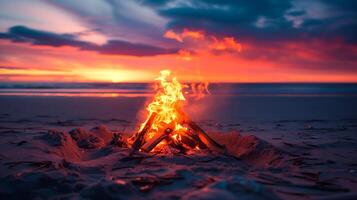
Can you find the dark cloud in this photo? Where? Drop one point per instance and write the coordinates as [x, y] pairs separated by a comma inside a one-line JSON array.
[[348, 6], [236, 18], [37, 37], [239, 18], [156, 3], [113, 47], [228, 12], [117, 47]]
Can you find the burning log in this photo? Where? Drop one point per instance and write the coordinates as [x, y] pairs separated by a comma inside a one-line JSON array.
[[194, 136], [206, 139], [189, 140], [148, 146], [182, 141], [139, 137]]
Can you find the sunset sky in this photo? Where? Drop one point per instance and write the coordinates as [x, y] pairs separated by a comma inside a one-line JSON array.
[[200, 40]]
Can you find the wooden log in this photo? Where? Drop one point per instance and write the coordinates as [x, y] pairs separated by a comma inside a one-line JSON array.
[[183, 144], [188, 140], [194, 135], [149, 145], [206, 139], [175, 145], [139, 137]]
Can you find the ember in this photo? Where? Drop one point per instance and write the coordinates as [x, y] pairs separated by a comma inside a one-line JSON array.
[[167, 125]]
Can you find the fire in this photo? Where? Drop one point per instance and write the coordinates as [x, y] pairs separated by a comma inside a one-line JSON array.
[[167, 125], [166, 105]]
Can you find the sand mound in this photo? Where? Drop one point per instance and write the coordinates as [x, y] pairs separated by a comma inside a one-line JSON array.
[[98, 137], [85, 139], [62, 145], [102, 132], [250, 148]]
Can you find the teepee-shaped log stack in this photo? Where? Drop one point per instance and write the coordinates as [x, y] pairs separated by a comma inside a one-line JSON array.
[[167, 125], [194, 138]]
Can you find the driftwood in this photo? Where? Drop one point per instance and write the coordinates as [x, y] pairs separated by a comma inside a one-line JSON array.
[[139, 137], [185, 142], [148, 146], [194, 135], [190, 139], [206, 139]]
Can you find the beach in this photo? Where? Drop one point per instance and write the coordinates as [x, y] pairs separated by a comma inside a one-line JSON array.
[[280, 145], [178, 100]]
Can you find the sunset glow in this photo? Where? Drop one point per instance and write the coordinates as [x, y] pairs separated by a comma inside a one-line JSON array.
[[123, 47]]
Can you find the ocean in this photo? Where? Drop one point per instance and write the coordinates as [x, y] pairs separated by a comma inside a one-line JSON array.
[[146, 89], [246, 104]]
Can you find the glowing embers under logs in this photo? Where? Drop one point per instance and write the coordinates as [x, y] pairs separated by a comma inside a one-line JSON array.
[[167, 125]]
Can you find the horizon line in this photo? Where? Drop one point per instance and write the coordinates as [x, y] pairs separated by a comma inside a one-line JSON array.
[[184, 82]]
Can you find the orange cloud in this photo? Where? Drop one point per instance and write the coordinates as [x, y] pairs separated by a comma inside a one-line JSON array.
[[199, 42], [185, 34], [185, 54], [197, 35], [286, 62], [227, 43], [170, 34]]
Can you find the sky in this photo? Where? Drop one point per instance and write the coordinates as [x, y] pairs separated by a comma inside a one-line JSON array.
[[199, 40]]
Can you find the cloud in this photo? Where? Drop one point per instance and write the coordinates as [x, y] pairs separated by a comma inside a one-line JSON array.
[[117, 47], [185, 34], [24, 34], [117, 19], [269, 35], [266, 20], [37, 37], [185, 54], [227, 43], [198, 40], [170, 34]]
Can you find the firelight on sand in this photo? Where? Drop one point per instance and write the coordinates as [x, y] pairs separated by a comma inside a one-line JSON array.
[[167, 124]]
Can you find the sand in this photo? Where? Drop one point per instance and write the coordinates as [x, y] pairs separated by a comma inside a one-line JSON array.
[[49, 151]]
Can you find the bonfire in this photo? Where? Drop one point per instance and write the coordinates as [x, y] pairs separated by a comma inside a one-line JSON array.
[[167, 126]]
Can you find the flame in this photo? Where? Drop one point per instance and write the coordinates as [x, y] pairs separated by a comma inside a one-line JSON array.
[[167, 105], [165, 113]]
